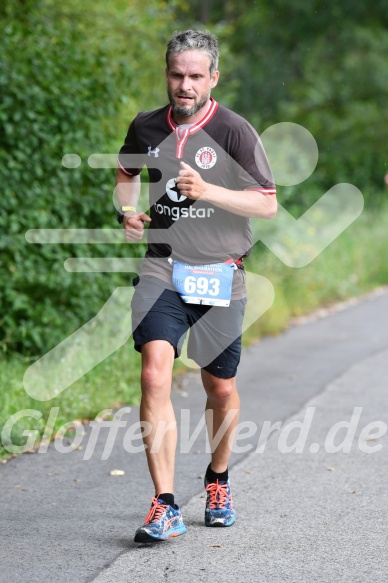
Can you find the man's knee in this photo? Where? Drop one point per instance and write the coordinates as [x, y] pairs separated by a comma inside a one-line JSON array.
[[157, 363], [219, 390]]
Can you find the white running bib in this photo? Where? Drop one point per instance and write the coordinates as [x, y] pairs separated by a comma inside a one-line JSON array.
[[209, 285]]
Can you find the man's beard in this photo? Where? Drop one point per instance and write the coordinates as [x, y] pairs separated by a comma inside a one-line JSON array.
[[187, 111]]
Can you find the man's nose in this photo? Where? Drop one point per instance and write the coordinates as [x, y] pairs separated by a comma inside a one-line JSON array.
[[185, 84]]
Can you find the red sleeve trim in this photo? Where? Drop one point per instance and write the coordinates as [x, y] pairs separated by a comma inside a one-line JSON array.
[[123, 169], [264, 190]]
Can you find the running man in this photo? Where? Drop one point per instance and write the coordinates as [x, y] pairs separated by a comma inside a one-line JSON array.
[[208, 175]]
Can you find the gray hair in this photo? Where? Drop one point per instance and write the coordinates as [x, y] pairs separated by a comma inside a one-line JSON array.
[[194, 40]]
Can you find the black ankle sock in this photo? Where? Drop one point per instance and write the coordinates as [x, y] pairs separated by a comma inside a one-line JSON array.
[[167, 498], [212, 476]]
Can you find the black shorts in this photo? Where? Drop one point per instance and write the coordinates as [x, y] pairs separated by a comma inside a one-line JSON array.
[[215, 332]]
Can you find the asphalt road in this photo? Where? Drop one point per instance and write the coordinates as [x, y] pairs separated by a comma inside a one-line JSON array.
[[315, 515]]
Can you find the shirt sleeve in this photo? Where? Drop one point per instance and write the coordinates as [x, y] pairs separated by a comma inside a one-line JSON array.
[[254, 172], [128, 163]]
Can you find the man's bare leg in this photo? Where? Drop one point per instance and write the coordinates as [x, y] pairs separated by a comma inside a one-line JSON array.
[[222, 409], [157, 410], [222, 399], [164, 519]]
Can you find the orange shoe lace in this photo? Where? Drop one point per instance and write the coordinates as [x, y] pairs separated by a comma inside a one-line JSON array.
[[155, 512], [218, 494]]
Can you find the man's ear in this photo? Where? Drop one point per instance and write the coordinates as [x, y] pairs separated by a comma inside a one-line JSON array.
[[214, 79]]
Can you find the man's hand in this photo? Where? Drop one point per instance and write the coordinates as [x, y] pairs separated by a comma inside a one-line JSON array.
[[190, 183], [134, 226]]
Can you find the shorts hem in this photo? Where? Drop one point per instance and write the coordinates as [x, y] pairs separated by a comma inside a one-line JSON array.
[[220, 374], [177, 350]]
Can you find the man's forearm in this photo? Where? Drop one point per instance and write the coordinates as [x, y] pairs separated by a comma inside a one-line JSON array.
[[127, 190], [246, 203]]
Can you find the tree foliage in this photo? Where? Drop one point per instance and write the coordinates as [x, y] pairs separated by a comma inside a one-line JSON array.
[[65, 75], [321, 65]]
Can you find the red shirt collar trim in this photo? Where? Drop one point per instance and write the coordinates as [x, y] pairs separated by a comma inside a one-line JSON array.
[[199, 125]]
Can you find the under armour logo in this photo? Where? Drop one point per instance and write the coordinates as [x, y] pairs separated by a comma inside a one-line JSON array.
[[154, 151]]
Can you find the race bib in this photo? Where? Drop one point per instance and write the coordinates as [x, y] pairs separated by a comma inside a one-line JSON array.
[[210, 285]]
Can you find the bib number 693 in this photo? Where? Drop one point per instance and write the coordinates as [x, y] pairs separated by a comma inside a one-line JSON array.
[[202, 285]]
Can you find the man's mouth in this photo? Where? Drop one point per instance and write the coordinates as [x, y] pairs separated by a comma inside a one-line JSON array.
[[184, 98]]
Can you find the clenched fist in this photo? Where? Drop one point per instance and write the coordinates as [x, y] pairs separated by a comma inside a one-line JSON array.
[[134, 226], [190, 182]]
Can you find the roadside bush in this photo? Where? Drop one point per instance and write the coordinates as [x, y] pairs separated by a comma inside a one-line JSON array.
[[54, 94]]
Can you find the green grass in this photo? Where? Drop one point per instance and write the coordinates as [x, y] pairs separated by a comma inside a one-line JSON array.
[[353, 264], [108, 385]]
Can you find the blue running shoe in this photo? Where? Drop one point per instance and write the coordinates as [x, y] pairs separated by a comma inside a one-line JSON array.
[[219, 509], [162, 522]]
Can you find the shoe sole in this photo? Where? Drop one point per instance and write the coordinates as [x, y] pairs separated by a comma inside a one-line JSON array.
[[144, 537], [220, 524]]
